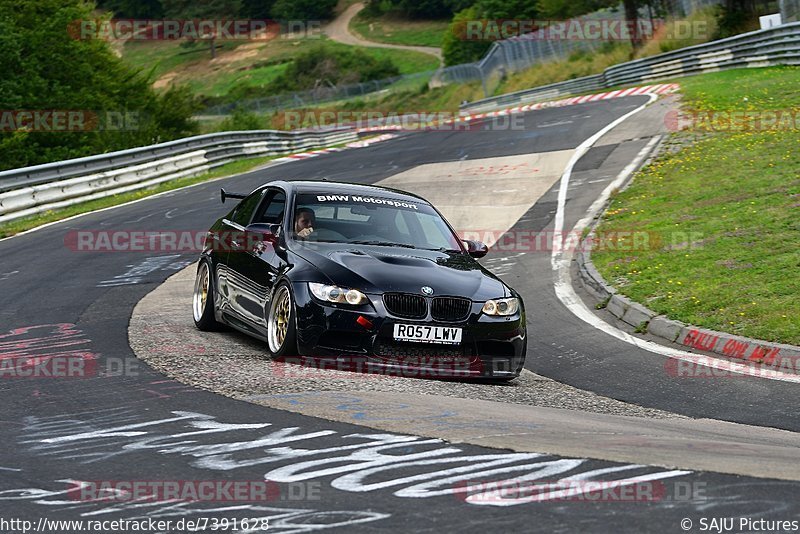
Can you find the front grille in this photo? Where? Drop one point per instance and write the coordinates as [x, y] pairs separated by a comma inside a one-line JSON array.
[[405, 305], [407, 352], [450, 308]]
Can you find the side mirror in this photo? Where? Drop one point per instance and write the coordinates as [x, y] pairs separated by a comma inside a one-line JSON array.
[[263, 232], [476, 249]]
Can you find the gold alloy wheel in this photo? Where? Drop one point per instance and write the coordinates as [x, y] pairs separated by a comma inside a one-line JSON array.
[[279, 315], [200, 296]]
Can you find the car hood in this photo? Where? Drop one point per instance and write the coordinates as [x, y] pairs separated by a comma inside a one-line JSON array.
[[376, 269]]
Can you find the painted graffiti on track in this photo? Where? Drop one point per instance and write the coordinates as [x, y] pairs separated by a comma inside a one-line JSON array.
[[408, 466]]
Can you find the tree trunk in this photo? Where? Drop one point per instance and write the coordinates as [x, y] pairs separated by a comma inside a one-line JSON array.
[[632, 19]]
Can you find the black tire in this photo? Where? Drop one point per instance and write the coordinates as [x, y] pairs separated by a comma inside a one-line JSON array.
[[281, 318], [203, 299]]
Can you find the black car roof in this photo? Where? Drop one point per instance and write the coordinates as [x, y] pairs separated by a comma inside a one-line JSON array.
[[338, 188]]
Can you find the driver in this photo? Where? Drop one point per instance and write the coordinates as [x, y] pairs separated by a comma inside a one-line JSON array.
[[304, 220]]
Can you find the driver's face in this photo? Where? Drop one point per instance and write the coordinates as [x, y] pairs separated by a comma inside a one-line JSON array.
[[304, 220]]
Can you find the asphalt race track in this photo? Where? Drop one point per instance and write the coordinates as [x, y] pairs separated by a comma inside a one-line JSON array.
[[115, 426]]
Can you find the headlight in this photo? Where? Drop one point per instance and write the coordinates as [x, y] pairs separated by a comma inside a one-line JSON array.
[[341, 295], [501, 306]]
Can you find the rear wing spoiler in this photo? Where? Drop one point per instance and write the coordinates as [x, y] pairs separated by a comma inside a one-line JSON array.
[[225, 194]]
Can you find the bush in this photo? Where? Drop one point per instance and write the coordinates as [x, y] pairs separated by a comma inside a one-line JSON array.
[[325, 66], [241, 119]]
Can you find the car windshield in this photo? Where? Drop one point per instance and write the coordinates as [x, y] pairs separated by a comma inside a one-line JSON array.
[[370, 220]]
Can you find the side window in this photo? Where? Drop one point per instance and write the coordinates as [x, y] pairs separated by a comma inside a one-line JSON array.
[[244, 211], [271, 211]]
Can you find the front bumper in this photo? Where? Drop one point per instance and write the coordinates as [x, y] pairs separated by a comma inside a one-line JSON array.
[[332, 336]]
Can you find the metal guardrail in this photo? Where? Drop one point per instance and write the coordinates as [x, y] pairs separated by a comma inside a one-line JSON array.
[[774, 46], [35, 189], [32, 190], [552, 91]]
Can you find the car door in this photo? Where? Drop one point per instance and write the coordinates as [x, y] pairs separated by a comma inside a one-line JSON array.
[[254, 264], [232, 229]]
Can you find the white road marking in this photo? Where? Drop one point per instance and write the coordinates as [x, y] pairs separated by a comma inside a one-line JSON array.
[[550, 124], [409, 466], [5, 276], [565, 177], [561, 261], [140, 219]]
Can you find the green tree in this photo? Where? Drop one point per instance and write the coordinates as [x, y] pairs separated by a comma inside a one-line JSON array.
[[507, 9], [565, 9], [425, 9], [52, 70], [206, 10], [256, 9], [734, 16], [460, 45], [631, 8], [457, 46], [458, 5], [133, 9], [418, 9], [303, 9]]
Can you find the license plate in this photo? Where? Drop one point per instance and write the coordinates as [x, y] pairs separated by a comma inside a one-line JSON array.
[[419, 333]]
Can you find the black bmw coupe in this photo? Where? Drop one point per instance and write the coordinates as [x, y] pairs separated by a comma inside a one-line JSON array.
[[361, 276]]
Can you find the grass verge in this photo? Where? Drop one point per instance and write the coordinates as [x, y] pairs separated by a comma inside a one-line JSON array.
[[393, 29], [722, 215]]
